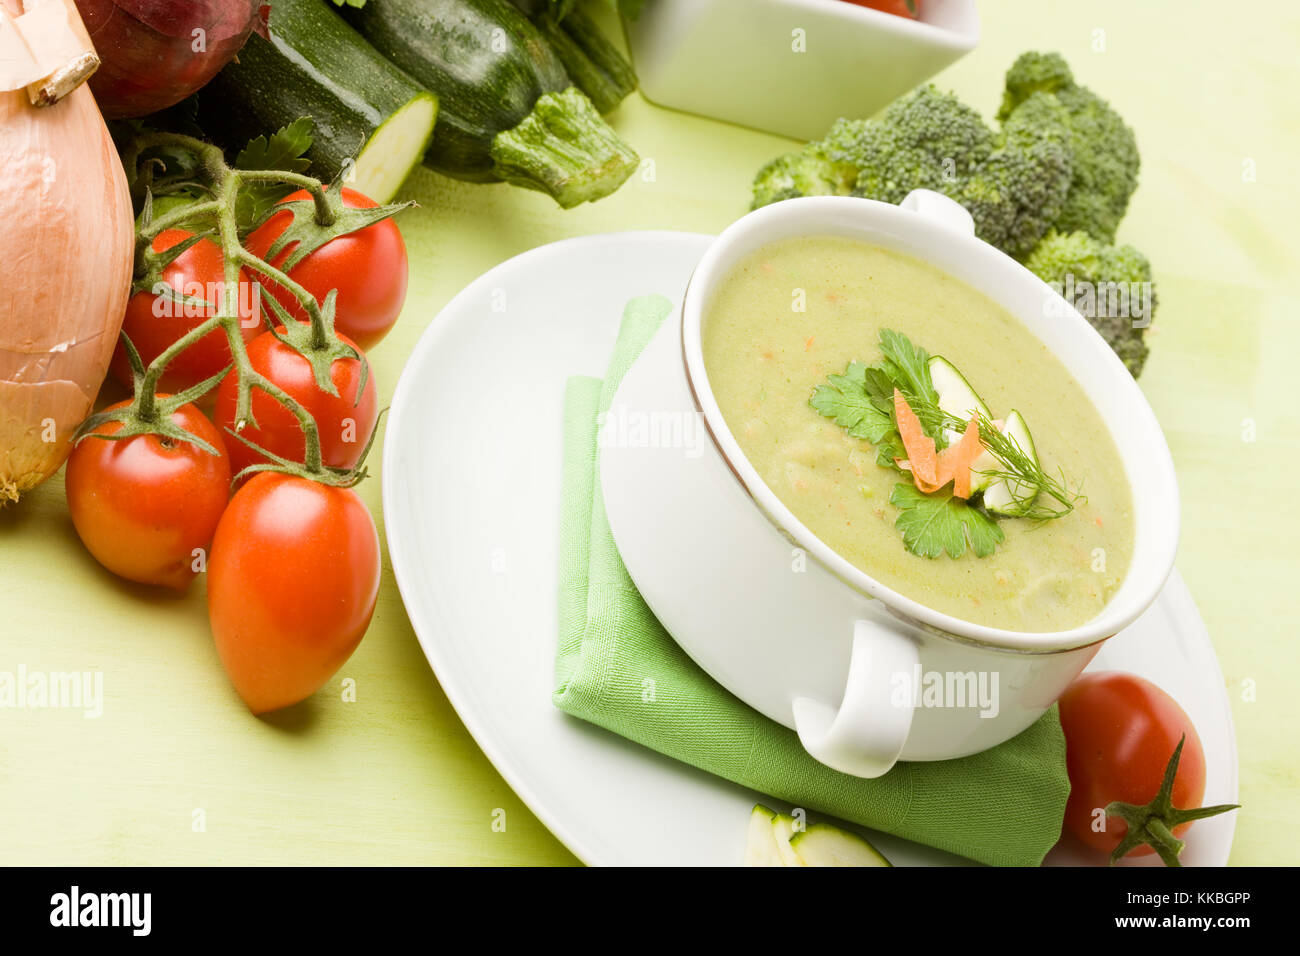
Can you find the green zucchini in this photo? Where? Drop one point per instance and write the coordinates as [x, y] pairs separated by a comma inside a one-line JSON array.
[[783, 829], [1013, 498], [824, 845], [314, 64], [509, 111], [593, 63], [956, 397], [760, 843]]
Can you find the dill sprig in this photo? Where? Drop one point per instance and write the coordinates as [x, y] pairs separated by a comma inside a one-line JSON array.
[[1020, 470]]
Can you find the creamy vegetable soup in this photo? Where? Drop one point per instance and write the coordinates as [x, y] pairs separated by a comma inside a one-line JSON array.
[[801, 309]]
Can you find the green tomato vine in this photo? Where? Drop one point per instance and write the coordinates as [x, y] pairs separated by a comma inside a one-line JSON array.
[[214, 214]]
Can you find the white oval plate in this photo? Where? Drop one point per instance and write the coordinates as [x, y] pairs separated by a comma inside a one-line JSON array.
[[471, 488]]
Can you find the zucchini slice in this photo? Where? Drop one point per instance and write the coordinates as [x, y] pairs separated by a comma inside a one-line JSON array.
[[1012, 499], [783, 831], [510, 111], [314, 64], [956, 397], [760, 846], [982, 469], [825, 845]]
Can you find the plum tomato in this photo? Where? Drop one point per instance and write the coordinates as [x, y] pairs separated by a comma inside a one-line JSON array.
[[1120, 731], [344, 421], [145, 506], [292, 583], [367, 267], [154, 322]]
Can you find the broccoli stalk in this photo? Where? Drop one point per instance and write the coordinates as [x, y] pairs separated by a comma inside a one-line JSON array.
[[1109, 285]]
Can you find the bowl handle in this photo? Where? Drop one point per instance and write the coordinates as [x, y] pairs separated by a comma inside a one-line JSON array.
[[937, 206], [865, 735]]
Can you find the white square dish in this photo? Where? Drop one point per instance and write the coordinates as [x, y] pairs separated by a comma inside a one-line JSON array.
[[791, 66]]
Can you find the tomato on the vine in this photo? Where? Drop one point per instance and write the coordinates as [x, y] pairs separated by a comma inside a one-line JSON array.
[[367, 267], [344, 421], [147, 506], [1120, 731], [154, 322], [292, 583]]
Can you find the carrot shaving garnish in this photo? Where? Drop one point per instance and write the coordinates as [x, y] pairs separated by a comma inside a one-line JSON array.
[[955, 460], [931, 471], [919, 445], [929, 487], [807, 344]]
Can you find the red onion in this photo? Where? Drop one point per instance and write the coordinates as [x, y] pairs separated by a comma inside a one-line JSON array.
[[157, 52]]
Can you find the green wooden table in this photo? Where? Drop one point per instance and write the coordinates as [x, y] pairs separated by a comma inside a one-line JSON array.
[[176, 771]]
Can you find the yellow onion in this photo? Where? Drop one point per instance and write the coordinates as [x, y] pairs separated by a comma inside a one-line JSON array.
[[66, 233]]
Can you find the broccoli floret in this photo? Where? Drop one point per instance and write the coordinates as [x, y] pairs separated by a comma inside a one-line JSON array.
[[1109, 285], [806, 173], [926, 140], [1062, 160], [1105, 168], [1033, 73], [1040, 119], [1019, 191], [1104, 148]]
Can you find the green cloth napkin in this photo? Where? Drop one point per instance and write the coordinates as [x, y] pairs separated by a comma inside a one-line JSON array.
[[1002, 807]]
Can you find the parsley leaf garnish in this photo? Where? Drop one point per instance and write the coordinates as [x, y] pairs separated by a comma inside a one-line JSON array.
[[890, 451], [284, 149], [907, 367], [933, 524], [856, 405]]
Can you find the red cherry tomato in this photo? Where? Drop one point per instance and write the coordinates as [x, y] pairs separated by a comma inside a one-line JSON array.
[[292, 583], [344, 421], [1120, 731], [368, 267], [143, 505], [153, 322]]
